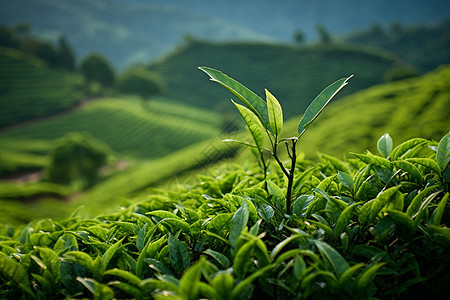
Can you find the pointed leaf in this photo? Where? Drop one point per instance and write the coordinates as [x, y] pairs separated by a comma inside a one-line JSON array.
[[238, 289], [316, 107], [238, 222], [250, 99], [275, 113], [253, 124], [301, 205], [16, 273], [367, 276], [336, 260], [384, 145], [406, 147], [346, 180], [188, 284], [344, 218], [219, 257], [443, 152], [178, 254]]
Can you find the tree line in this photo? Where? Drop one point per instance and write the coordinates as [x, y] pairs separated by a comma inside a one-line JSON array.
[[99, 74]]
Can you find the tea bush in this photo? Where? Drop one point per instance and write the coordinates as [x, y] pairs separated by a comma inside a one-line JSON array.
[[375, 226], [372, 226]]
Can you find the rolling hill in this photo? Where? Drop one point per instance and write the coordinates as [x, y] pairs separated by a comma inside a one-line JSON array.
[[128, 127], [294, 75], [416, 107]]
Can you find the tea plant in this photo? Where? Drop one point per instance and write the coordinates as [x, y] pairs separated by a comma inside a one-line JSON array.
[[262, 117], [375, 226]]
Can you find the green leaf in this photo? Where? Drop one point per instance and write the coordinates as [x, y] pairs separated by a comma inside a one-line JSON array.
[[242, 260], [372, 159], [223, 285], [404, 223], [128, 288], [253, 124], [176, 224], [439, 212], [409, 168], [188, 284], [131, 278], [347, 275], [344, 218], [140, 240], [106, 257], [162, 214], [316, 107], [299, 266], [238, 289], [238, 222], [427, 163], [250, 99], [178, 254], [219, 257], [347, 181], [284, 243], [275, 113], [443, 152], [16, 273], [417, 201], [301, 205], [265, 211], [338, 263], [384, 145], [100, 291], [406, 147], [367, 276]]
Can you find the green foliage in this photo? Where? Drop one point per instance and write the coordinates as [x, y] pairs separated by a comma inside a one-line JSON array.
[[340, 242], [267, 118], [77, 158], [96, 69]]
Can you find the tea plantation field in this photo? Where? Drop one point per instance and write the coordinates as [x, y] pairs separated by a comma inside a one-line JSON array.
[[25, 82], [130, 127]]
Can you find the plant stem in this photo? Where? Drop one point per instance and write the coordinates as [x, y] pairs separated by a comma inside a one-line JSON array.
[[293, 157]]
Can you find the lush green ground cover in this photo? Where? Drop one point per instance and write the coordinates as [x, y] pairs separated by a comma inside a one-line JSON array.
[[371, 227], [130, 127], [294, 75], [27, 82]]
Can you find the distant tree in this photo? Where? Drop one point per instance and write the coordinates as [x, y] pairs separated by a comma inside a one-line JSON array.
[[324, 35], [96, 69], [66, 56], [76, 158], [299, 37], [142, 82]]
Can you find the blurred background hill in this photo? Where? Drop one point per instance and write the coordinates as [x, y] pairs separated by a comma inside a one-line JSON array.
[[117, 82], [135, 31]]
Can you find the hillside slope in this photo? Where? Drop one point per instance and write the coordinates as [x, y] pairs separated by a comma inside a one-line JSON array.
[[129, 128], [404, 109], [295, 76], [29, 89]]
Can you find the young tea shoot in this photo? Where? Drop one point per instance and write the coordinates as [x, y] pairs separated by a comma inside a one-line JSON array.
[[265, 118]]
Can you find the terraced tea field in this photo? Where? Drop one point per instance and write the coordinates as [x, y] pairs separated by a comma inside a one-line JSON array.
[[26, 82], [130, 127]]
